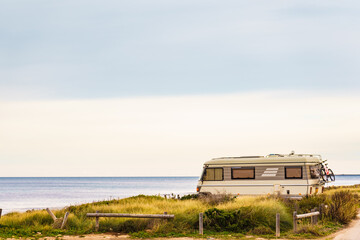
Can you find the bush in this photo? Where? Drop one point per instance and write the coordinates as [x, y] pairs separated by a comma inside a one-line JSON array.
[[189, 196], [315, 230], [305, 204], [309, 202], [216, 199], [244, 219], [343, 207]]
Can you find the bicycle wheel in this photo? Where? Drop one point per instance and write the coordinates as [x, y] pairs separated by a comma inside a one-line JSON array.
[[331, 175], [323, 174]]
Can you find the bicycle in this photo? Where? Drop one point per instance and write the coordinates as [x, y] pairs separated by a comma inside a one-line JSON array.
[[326, 173]]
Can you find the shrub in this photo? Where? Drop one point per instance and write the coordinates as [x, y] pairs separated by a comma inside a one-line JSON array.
[[216, 199], [315, 230], [189, 196], [343, 207], [309, 202], [244, 219]]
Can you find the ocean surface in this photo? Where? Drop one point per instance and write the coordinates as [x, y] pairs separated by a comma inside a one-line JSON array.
[[21, 194]]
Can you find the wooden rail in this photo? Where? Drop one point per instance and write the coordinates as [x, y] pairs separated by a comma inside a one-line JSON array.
[[313, 216], [126, 215], [298, 216], [97, 215]]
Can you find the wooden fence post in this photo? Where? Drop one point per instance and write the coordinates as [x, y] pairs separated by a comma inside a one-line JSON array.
[[0, 212], [294, 221], [316, 216], [322, 209], [97, 223], [201, 224], [64, 220], [296, 207], [58, 222], [51, 214], [277, 224], [312, 217]]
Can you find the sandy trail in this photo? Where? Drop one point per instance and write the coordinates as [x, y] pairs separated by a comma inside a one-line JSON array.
[[109, 236], [350, 233]]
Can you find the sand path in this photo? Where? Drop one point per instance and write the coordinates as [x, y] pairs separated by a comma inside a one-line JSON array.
[[109, 236], [350, 233]]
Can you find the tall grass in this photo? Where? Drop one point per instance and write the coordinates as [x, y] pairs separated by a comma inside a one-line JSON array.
[[242, 214], [186, 214]]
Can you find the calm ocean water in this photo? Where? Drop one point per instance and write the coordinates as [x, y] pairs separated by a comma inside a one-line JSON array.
[[21, 194]]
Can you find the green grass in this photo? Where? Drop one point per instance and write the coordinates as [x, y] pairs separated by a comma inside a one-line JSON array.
[[224, 216]]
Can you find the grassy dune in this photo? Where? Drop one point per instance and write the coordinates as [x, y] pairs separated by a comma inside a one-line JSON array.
[[242, 215]]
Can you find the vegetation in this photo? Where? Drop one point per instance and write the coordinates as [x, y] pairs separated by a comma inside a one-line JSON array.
[[343, 207], [224, 215]]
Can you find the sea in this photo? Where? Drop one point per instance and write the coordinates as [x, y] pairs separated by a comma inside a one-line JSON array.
[[26, 193]]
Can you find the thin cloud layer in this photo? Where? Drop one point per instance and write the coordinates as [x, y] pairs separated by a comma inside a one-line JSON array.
[[173, 136], [100, 49]]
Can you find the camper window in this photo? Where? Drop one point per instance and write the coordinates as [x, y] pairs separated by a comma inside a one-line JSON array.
[[243, 173], [314, 172], [213, 174], [293, 172]]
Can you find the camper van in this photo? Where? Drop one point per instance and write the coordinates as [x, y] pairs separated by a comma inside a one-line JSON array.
[[291, 175]]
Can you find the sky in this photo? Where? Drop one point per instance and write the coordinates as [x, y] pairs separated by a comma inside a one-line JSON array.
[[156, 88]]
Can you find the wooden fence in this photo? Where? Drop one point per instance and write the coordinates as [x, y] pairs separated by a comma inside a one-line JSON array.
[[97, 215], [313, 216], [61, 222], [58, 222], [314, 219]]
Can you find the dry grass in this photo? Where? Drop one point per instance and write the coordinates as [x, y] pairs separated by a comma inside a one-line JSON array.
[[186, 212], [262, 209]]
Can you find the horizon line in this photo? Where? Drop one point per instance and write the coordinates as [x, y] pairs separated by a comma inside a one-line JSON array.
[[341, 174]]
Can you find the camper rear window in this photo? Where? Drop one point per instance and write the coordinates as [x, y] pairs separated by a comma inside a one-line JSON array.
[[293, 172], [243, 173], [314, 172], [213, 174]]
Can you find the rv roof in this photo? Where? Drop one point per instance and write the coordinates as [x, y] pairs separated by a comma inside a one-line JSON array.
[[272, 158], [240, 157]]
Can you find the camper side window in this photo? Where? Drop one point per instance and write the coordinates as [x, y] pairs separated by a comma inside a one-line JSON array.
[[213, 174], [314, 172], [243, 173], [293, 172]]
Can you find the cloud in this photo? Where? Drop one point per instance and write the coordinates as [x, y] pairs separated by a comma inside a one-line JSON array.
[[96, 49], [168, 136]]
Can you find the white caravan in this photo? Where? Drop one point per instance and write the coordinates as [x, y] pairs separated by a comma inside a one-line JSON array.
[[292, 175]]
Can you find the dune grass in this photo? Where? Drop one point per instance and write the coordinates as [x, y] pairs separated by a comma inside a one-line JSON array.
[[239, 216]]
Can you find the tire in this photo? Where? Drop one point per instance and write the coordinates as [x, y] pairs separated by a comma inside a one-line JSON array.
[[323, 175], [331, 175]]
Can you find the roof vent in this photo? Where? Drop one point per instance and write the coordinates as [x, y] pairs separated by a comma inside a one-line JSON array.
[[275, 155]]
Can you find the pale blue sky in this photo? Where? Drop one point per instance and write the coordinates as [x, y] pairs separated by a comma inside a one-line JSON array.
[[158, 87], [99, 49]]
